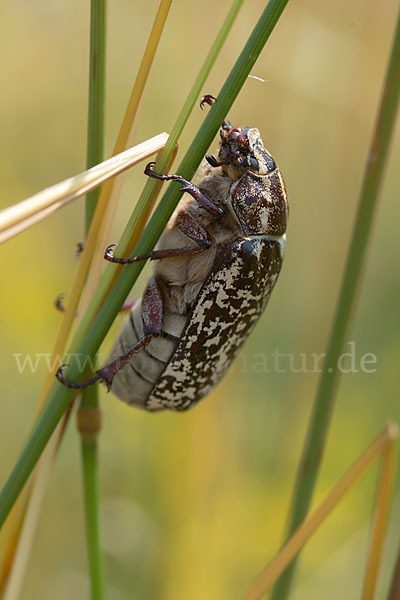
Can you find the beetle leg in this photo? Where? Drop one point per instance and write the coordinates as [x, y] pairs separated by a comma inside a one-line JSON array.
[[207, 99], [210, 99], [59, 302], [79, 249], [193, 229], [158, 254], [189, 226], [152, 315], [202, 200]]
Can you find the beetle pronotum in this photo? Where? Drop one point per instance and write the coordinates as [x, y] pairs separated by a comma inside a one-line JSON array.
[[215, 266]]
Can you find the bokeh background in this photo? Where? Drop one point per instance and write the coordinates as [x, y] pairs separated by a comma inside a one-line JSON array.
[[195, 504]]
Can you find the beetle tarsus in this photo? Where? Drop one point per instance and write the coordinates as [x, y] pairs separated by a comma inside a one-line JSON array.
[[210, 99], [160, 254], [202, 200], [75, 386], [108, 372], [207, 99], [108, 255], [79, 249], [59, 302]]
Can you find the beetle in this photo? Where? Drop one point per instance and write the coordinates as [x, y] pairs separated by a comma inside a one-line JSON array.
[[215, 267]]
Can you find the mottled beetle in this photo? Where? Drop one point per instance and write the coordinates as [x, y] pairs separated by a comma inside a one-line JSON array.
[[217, 263]]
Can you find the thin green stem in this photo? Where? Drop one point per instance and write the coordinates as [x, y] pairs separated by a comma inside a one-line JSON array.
[[89, 405], [89, 409], [329, 380], [97, 82], [59, 395]]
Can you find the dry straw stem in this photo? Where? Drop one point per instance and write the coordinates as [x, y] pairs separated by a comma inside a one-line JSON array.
[[380, 520], [110, 192], [17, 218], [383, 446]]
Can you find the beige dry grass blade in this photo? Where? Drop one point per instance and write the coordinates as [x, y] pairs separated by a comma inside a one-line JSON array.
[[17, 218], [126, 131], [379, 523], [382, 446]]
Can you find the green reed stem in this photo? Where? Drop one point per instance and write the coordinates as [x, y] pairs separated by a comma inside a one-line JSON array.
[[90, 411], [89, 400], [329, 380], [59, 396], [97, 91]]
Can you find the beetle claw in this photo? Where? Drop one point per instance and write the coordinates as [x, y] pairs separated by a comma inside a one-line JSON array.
[[75, 386], [79, 249], [148, 170], [58, 302], [207, 99], [108, 254]]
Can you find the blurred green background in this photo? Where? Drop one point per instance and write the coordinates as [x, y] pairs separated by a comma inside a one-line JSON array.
[[195, 504]]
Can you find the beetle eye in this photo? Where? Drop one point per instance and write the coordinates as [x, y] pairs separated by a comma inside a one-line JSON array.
[[254, 162]]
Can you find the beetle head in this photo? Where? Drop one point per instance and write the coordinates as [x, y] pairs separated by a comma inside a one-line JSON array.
[[258, 196], [242, 150]]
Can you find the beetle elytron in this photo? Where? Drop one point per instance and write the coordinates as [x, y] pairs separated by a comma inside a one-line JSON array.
[[216, 264]]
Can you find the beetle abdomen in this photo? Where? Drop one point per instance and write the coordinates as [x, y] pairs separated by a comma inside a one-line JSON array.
[[134, 383], [228, 306]]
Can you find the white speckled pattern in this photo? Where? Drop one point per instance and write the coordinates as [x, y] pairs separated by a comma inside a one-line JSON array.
[[228, 306]]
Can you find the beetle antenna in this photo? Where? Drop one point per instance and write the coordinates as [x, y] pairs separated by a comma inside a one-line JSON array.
[[218, 163]]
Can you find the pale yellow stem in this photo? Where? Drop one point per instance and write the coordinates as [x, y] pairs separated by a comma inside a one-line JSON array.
[[126, 131], [379, 523], [311, 523]]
